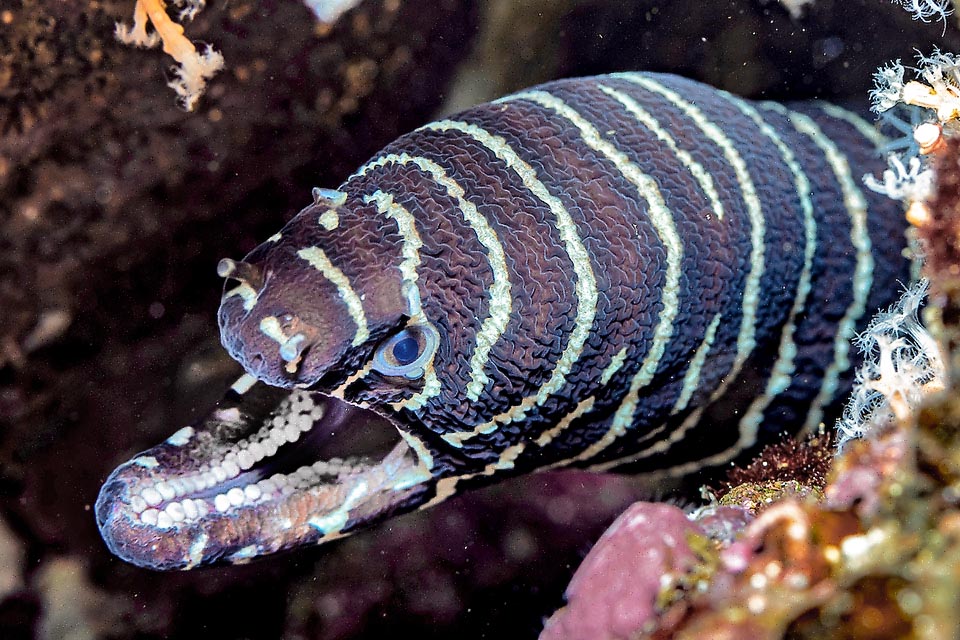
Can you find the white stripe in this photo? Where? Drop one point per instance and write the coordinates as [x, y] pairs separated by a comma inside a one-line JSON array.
[[447, 487], [408, 231], [644, 117], [866, 129], [319, 261], [408, 270], [422, 473], [659, 446], [586, 285], [746, 338], [270, 327], [431, 387], [751, 294], [547, 436], [243, 383], [329, 219], [691, 379], [359, 374], [247, 293], [751, 289], [615, 365], [856, 206], [862, 281], [501, 303], [783, 368], [665, 226]]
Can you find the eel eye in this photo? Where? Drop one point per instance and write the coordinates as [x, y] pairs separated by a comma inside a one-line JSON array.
[[405, 354]]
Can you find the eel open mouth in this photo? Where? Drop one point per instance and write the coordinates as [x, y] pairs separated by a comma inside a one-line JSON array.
[[269, 469]]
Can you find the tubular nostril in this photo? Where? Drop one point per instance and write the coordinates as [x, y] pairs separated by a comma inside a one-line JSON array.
[[242, 271], [292, 349]]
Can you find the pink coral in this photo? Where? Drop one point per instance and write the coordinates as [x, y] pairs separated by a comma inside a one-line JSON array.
[[643, 562]]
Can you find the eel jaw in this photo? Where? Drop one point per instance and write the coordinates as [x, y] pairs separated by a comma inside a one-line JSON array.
[[255, 477]]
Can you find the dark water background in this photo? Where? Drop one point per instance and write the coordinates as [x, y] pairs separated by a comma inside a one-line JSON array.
[[115, 207]]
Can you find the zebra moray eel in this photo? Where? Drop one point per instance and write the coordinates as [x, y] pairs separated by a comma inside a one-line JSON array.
[[632, 271]]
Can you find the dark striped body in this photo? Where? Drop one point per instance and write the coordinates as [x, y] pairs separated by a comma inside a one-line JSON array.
[[619, 249], [630, 270]]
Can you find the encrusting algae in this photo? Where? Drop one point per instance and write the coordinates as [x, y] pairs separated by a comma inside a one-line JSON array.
[[869, 549]]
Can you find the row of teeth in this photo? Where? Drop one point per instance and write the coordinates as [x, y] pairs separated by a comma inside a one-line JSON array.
[[277, 485], [296, 415]]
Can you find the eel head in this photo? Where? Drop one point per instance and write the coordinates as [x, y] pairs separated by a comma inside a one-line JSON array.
[[313, 441]]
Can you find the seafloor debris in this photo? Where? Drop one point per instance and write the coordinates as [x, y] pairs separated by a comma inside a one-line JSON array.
[[877, 553]]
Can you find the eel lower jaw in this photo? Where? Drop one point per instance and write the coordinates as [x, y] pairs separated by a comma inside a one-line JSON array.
[[267, 470]]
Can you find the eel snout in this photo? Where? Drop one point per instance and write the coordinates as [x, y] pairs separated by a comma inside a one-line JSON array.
[[267, 470]]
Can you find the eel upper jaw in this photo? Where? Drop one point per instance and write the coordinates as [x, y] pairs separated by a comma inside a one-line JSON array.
[[264, 472]]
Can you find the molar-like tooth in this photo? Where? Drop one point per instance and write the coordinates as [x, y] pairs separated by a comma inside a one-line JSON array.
[[149, 517], [164, 521], [179, 486], [221, 502], [231, 467], [287, 489], [291, 432], [245, 459], [270, 447], [138, 504], [278, 421], [256, 450], [189, 484], [165, 490], [202, 506], [209, 479], [219, 473], [252, 492], [320, 467], [279, 435], [152, 496], [305, 472], [267, 486], [176, 511], [235, 496], [190, 509], [304, 422]]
